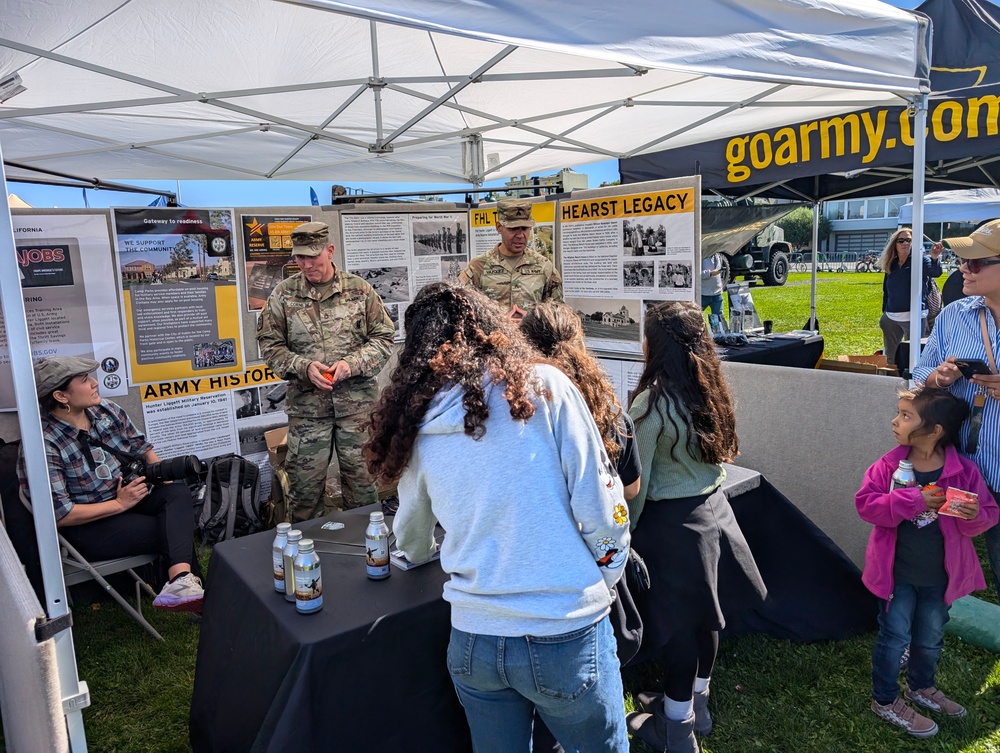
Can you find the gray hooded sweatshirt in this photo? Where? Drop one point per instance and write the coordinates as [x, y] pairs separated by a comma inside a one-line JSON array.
[[536, 525]]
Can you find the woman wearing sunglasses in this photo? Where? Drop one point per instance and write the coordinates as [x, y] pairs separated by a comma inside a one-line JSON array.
[[895, 262], [965, 338], [86, 440]]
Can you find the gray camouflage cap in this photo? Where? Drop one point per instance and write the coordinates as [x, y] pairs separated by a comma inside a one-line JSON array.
[[50, 373], [310, 239], [515, 213]]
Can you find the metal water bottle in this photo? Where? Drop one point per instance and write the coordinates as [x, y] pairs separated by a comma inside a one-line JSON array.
[[904, 475], [288, 562], [308, 579], [377, 547], [277, 555]]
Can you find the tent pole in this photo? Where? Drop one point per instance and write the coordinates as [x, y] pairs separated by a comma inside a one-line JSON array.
[[72, 692], [917, 247], [815, 254]]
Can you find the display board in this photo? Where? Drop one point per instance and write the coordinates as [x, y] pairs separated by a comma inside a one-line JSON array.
[[180, 292], [65, 264], [621, 252], [211, 416], [398, 253], [267, 253]]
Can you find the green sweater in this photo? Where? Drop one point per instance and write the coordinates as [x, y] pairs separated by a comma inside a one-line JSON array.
[[662, 476]]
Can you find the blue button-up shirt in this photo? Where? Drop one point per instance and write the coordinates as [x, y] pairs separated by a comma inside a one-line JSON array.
[[957, 333]]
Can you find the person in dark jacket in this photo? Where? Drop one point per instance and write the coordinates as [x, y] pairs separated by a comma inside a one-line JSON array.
[[895, 260]]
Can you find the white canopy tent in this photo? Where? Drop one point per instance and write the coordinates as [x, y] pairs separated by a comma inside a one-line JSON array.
[[429, 90], [973, 205]]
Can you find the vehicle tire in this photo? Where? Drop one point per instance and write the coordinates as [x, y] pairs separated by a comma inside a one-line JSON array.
[[726, 274], [777, 270]]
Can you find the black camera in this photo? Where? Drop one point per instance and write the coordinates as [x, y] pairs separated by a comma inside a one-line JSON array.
[[175, 469]]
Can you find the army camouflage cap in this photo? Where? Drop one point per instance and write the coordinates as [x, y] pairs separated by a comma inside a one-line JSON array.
[[51, 373], [515, 213], [310, 239]]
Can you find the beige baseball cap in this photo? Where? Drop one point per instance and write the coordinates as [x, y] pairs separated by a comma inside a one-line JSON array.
[[515, 213], [310, 239], [50, 373], [984, 242]]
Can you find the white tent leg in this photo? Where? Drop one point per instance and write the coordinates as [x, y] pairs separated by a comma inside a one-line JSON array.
[[815, 254], [917, 247], [73, 693]]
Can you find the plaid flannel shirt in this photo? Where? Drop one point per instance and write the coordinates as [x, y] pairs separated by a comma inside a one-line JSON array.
[[71, 475]]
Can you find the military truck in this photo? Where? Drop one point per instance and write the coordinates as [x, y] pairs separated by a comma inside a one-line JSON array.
[[751, 245]]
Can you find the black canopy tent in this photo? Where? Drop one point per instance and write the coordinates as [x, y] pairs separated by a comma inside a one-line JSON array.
[[868, 152]]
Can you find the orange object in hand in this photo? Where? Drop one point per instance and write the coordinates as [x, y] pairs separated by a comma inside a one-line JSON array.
[[328, 376]]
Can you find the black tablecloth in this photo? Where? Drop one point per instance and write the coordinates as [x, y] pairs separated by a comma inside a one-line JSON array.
[[803, 354], [368, 671]]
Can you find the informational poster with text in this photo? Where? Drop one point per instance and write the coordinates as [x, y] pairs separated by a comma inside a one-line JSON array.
[[65, 263], [267, 253], [621, 254], [180, 292], [398, 254], [212, 416]]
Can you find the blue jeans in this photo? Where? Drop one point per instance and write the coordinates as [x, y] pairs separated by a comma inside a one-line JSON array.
[[914, 615], [713, 301], [573, 680]]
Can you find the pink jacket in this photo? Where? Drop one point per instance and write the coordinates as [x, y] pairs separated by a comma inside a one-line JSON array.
[[887, 509]]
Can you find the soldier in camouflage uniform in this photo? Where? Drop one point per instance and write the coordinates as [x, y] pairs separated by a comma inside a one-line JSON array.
[[327, 332], [510, 273]]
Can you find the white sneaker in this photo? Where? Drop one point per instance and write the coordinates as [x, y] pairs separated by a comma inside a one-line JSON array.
[[183, 594]]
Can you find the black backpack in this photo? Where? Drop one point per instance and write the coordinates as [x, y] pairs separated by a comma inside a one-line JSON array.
[[232, 505]]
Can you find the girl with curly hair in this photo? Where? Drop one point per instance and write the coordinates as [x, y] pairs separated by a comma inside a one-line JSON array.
[[503, 452], [685, 427]]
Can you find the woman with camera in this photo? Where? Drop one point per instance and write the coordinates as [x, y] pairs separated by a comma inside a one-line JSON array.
[[87, 442]]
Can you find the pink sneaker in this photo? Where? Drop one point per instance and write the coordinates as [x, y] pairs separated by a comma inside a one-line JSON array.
[[933, 699]]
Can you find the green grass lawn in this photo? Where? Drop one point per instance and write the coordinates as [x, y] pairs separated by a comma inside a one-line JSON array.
[[768, 695], [848, 305]]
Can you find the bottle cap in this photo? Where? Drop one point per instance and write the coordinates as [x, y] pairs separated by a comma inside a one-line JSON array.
[[284, 527], [306, 545], [906, 464], [376, 517], [294, 535]]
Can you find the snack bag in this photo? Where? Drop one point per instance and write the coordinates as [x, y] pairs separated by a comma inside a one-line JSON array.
[[953, 497]]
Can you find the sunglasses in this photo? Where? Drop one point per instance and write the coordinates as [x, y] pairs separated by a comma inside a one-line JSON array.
[[978, 265], [102, 471], [904, 240]]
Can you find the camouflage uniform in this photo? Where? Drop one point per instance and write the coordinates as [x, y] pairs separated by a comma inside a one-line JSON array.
[[519, 282], [298, 326]]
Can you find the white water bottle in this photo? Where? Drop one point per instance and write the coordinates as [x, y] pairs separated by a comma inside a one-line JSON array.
[[278, 557], [904, 475], [288, 561], [377, 547]]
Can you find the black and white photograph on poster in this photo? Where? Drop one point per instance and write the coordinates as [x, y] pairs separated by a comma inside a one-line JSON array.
[[675, 275], [440, 235], [644, 239], [605, 319], [247, 402], [65, 263], [452, 266], [215, 353], [637, 274], [272, 397], [393, 309], [391, 283]]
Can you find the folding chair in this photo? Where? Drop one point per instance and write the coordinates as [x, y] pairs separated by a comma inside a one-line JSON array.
[[76, 569]]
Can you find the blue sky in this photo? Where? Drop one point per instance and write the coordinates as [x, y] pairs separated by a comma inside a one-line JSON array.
[[216, 193]]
